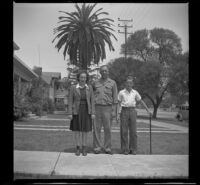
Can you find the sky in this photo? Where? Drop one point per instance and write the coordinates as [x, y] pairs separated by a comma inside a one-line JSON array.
[[33, 25]]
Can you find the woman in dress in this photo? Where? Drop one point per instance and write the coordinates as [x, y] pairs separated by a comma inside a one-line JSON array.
[[81, 111]]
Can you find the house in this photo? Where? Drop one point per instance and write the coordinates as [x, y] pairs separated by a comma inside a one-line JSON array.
[[51, 78], [55, 88], [22, 74], [62, 94]]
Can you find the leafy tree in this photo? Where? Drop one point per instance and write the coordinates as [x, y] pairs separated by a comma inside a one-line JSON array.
[[179, 81], [138, 45], [149, 84], [118, 71], [159, 46], [83, 35], [147, 76], [35, 96]]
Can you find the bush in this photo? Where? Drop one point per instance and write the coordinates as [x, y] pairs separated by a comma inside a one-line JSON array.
[[36, 109], [48, 105], [20, 112], [60, 106], [21, 107], [51, 106]]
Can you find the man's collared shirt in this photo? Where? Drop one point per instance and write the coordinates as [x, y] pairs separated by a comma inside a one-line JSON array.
[[128, 99], [105, 92], [78, 86]]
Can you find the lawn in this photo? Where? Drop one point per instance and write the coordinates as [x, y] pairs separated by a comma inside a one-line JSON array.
[[162, 143], [141, 115], [67, 123], [57, 116], [174, 121]]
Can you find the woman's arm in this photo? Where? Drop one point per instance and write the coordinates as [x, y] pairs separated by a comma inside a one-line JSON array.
[[70, 101], [92, 101]]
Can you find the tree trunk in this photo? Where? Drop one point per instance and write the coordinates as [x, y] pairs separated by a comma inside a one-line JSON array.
[[156, 105], [155, 109]]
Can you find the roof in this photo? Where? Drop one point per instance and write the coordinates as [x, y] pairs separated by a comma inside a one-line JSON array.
[[15, 46], [47, 76], [22, 64]]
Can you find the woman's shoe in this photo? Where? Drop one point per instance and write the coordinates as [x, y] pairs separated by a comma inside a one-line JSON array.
[[78, 151], [84, 152]]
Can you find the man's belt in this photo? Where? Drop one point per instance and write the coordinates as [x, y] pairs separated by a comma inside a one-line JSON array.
[[127, 108]]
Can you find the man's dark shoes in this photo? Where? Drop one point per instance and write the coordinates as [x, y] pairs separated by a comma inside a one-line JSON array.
[[108, 152], [125, 152], [97, 151], [78, 151], [133, 152]]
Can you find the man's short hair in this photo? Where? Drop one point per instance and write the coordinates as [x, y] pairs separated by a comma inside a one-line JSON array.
[[104, 66], [129, 78]]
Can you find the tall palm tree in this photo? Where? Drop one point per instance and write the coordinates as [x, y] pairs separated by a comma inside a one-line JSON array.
[[83, 35]]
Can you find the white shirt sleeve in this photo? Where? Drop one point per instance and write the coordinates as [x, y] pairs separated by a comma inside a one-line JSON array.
[[137, 96], [120, 96]]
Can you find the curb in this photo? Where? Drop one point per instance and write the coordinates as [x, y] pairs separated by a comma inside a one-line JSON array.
[[20, 175]]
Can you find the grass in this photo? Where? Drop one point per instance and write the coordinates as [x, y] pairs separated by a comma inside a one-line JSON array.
[[174, 121], [67, 123], [162, 143], [166, 119], [57, 116]]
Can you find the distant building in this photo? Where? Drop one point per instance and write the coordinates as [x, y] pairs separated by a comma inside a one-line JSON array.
[[22, 74], [51, 78], [55, 88]]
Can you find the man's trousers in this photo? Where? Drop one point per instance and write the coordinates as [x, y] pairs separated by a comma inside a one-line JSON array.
[[128, 123], [103, 118]]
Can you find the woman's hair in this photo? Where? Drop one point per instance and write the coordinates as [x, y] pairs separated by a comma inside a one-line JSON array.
[[81, 72]]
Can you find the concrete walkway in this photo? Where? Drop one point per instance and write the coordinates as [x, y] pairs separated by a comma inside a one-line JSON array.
[[67, 165]]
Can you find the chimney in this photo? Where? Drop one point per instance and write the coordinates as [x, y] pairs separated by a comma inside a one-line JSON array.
[[37, 70]]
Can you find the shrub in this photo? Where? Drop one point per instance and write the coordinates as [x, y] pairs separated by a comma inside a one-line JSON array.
[[21, 107], [37, 109], [51, 106], [60, 106], [48, 105]]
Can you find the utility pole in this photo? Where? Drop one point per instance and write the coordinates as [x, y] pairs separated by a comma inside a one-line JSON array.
[[125, 32]]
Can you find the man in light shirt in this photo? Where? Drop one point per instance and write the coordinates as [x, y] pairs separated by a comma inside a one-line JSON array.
[[127, 114]]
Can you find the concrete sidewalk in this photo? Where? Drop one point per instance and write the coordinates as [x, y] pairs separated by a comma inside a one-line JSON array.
[[67, 165]]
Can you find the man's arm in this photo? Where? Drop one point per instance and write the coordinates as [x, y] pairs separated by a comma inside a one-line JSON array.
[[139, 99], [119, 108], [145, 106], [115, 100]]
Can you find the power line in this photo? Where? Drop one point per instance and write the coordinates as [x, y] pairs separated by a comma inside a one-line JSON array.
[[143, 16], [140, 14], [127, 11], [123, 12], [137, 12]]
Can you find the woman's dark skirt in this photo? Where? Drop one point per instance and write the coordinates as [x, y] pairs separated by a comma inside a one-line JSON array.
[[81, 122]]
